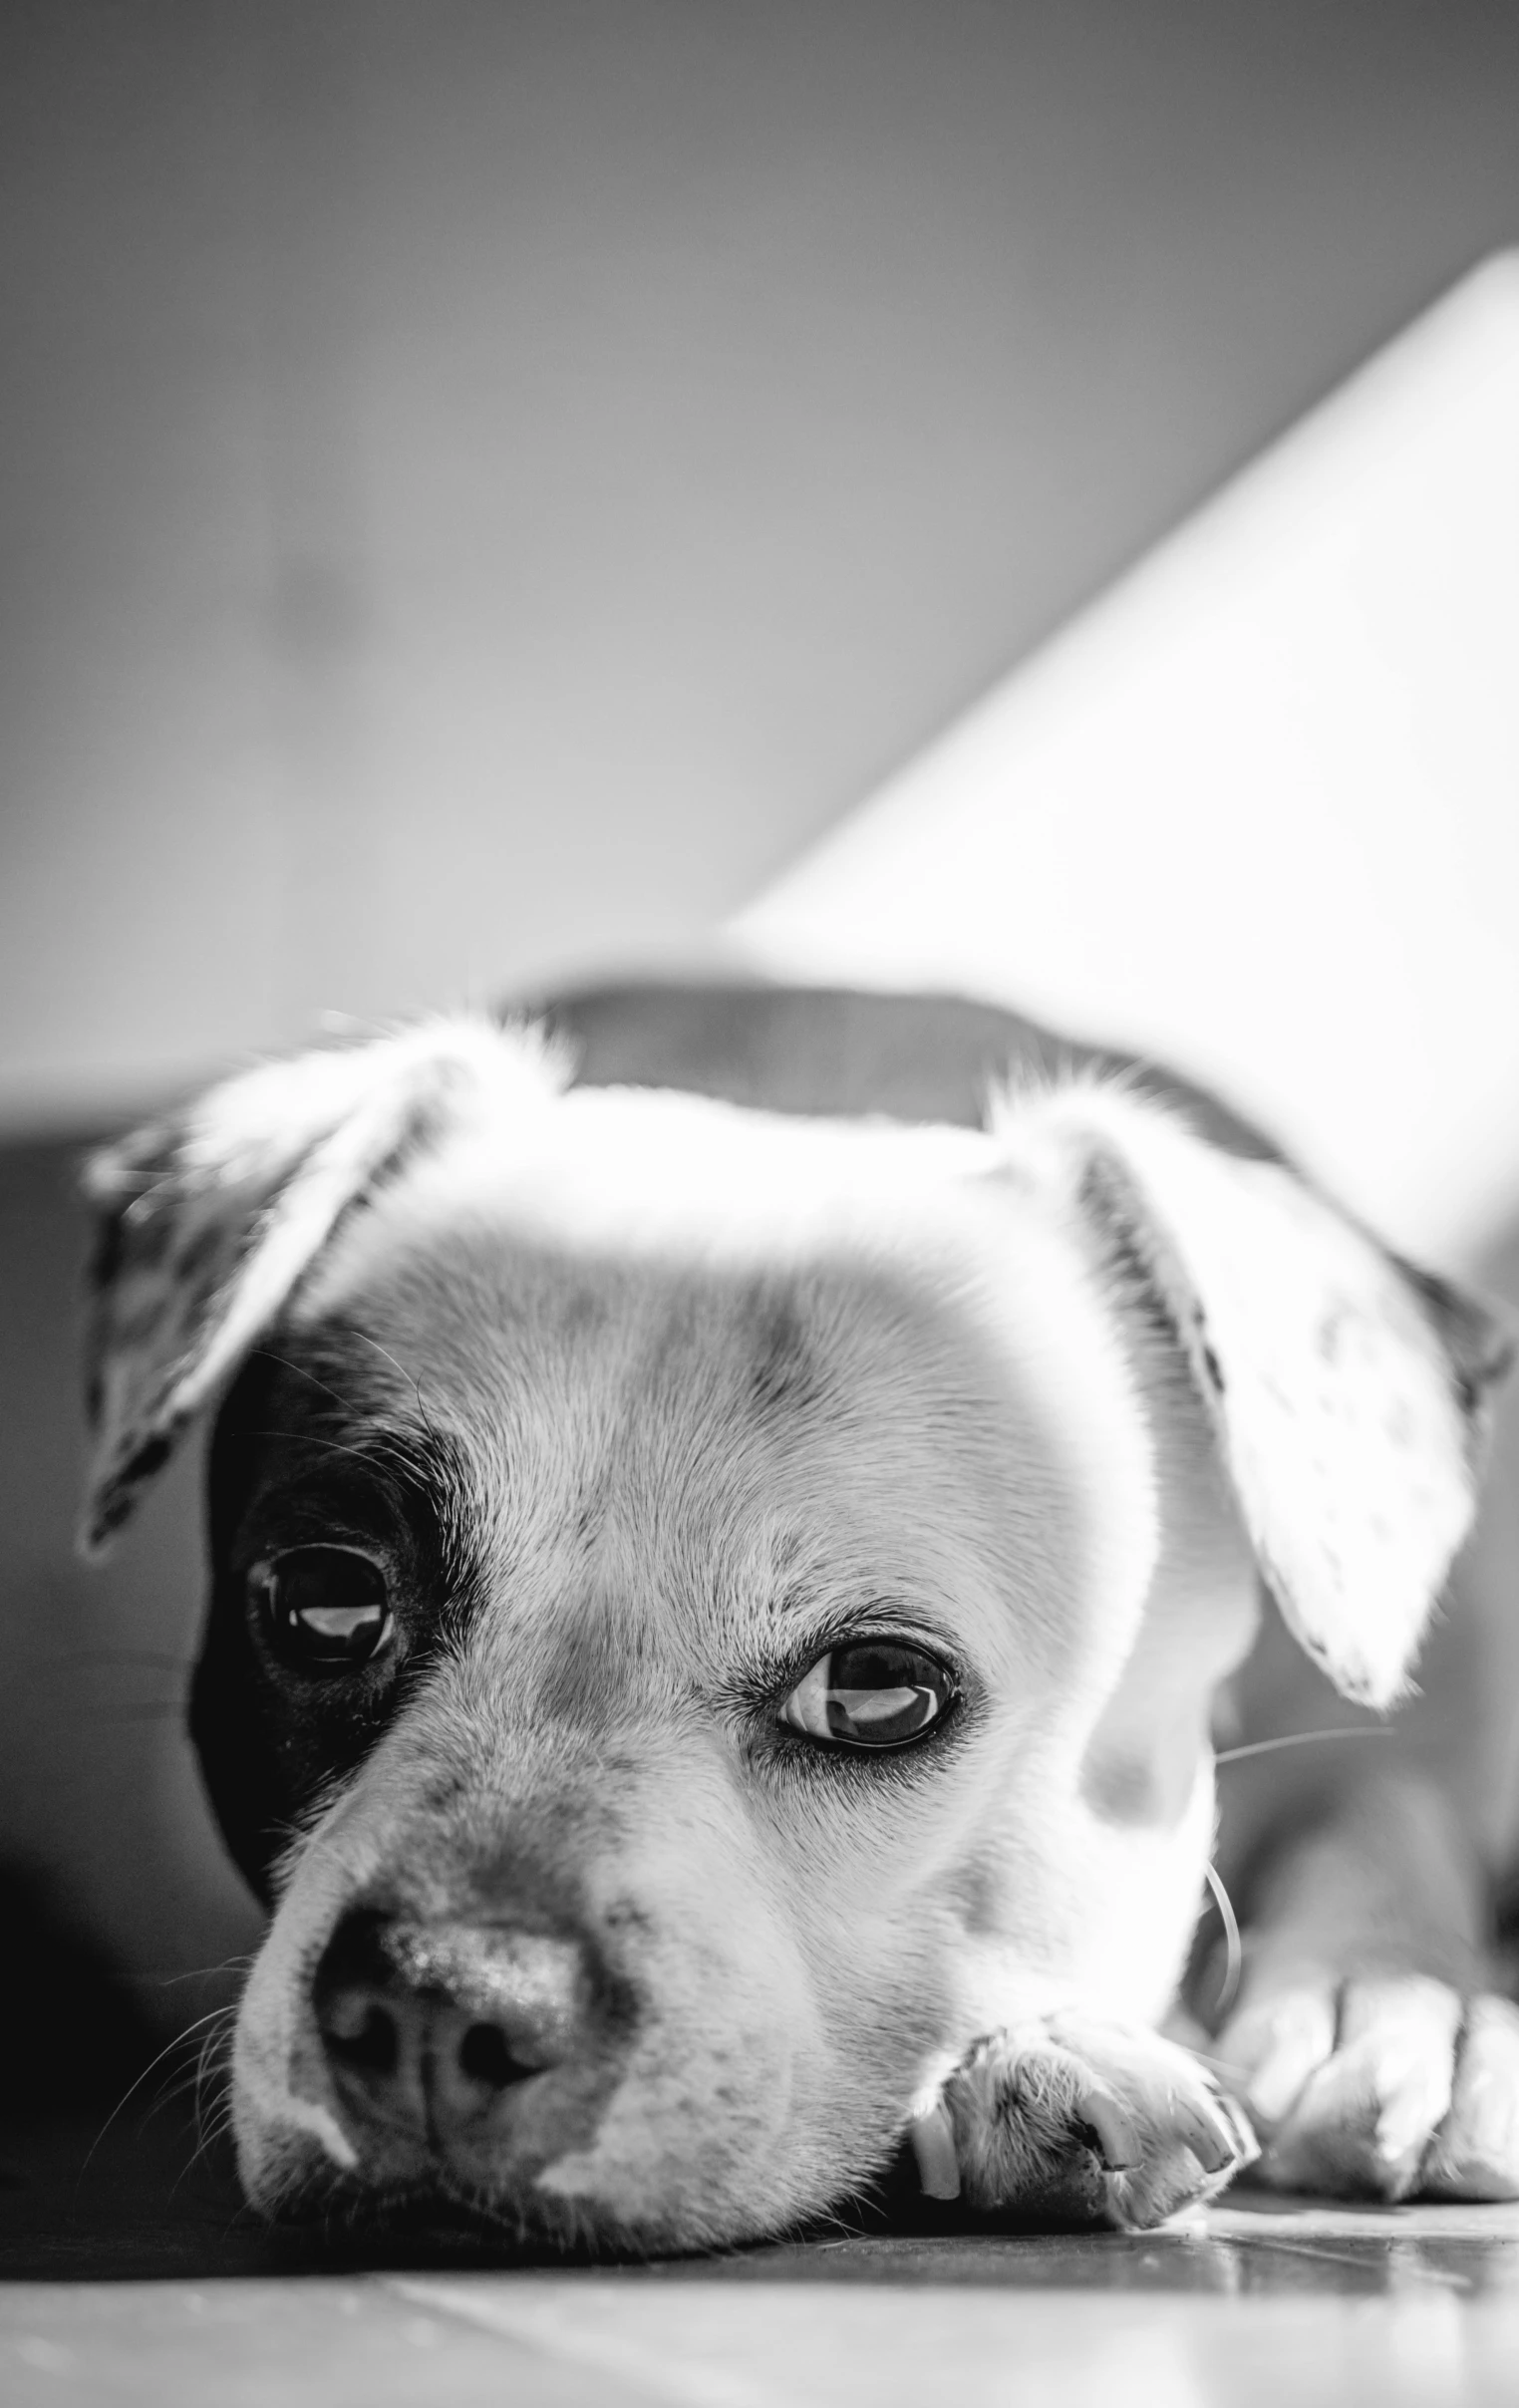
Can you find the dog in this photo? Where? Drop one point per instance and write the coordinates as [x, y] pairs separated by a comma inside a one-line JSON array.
[[762, 1544]]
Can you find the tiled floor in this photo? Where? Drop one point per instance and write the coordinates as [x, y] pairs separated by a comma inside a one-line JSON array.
[[138, 2280]]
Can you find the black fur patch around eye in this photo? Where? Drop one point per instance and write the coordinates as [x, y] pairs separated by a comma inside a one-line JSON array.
[[309, 1444]]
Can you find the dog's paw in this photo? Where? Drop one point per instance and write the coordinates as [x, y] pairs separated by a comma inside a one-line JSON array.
[[1091, 2123], [1390, 2088]]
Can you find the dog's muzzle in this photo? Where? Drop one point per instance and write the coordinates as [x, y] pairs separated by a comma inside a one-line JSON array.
[[430, 2030]]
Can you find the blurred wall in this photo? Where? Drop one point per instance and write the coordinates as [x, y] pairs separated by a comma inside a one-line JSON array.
[[482, 482]]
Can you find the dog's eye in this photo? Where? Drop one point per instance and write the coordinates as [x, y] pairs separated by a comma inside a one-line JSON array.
[[875, 1692], [326, 1607]]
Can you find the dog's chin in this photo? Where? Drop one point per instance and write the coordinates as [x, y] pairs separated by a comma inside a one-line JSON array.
[[339, 2218], [418, 2208], [434, 2216]]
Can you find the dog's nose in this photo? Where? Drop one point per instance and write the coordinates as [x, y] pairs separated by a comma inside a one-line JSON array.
[[426, 2025]]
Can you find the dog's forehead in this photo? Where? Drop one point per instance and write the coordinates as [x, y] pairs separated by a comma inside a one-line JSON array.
[[628, 1169], [613, 1211], [664, 1332], [594, 1372]]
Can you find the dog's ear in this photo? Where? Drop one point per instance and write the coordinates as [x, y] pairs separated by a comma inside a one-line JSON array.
[[207, 1220], [1347, 1389]]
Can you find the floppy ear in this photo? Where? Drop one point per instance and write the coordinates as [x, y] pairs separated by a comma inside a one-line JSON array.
[[207, 1220], [1345, 1388]]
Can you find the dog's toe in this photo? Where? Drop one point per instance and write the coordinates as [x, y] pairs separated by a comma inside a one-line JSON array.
[[1274, 2047], [1364, 2121], [1084, 2121], [1390, 2088], [1476, 2153]]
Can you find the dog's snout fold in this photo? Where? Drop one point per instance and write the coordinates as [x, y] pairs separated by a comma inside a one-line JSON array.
[[424, 2026]]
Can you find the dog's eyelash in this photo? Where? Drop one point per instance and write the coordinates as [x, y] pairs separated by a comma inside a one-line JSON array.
[[799, 1765], [758, 1684], [822, 1632]]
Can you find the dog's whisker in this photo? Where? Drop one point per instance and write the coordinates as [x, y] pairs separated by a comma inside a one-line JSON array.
[[191, 2081], [333, 1446], [389, 1453], [217, 2015], [212, 2106], [204, 1972], [214, 2121], [212, 2124], [302, 1372], [1267, 1747], [302, 1834], [199, 2156], [187, 2087], [410, 1377], [1235, 1954], [211, 2042]]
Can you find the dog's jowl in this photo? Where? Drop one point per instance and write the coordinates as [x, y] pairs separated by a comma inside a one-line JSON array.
[[717, 1624]]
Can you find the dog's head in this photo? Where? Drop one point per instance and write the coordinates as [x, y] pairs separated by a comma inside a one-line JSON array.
[[712, 1610]]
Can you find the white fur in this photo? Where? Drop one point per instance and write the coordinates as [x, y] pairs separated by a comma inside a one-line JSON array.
[[1005, 1447], [1334, 1412], [249, 1187]]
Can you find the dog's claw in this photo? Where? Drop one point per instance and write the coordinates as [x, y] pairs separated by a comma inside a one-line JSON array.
[[1212, 2136], [1093, 2123], [933, 2143], [1101, 2107], [1245, 2145]]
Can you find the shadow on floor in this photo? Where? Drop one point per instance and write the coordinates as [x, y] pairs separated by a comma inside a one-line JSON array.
[[143, 2195]]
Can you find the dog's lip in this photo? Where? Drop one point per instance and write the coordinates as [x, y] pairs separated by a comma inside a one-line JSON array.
[[409, 2221], [418, 2200], [410, 2209]]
